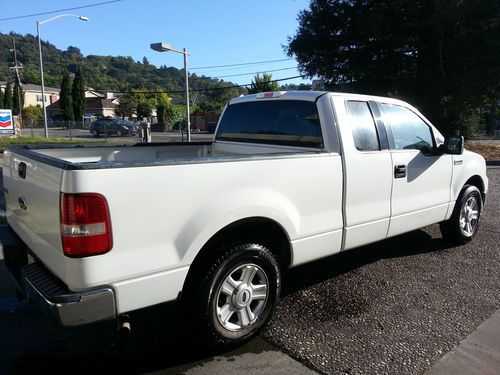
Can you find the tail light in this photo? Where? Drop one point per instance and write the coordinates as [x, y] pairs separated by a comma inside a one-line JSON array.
[[85, 225]]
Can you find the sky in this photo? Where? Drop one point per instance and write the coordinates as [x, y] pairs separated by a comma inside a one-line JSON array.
[[216, 32]]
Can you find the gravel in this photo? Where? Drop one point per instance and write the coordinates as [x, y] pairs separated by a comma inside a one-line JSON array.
[[394, 307]]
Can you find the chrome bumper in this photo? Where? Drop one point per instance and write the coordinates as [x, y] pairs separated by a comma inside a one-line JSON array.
[[50, 294], [68, 309]]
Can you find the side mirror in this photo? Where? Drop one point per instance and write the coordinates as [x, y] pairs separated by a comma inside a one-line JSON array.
[[454, 145]]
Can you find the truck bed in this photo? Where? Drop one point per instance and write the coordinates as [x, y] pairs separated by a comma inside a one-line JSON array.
[[159, 196], [116, 156]]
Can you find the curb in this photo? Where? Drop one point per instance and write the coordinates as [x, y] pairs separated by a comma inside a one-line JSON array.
[[477, 354]]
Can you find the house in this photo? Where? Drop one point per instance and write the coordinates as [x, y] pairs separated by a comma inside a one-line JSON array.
[[95, 106], [33, 94]]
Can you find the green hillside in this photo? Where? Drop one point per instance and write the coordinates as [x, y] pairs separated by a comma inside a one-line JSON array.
[[109, 73]]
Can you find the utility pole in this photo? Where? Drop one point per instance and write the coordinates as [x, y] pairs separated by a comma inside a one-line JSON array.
[[16, 68]]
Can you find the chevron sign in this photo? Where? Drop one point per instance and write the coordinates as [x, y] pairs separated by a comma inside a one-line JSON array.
[[6, 122]]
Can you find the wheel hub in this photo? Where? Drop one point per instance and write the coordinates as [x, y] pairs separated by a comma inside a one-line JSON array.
[[242, 297], [469, 216]]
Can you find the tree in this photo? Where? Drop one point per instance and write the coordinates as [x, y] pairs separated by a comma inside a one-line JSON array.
[[144, 109], [7, 97], [33, 113], [170, 116], [263, 83], [161, 115], [78, 96], [65, 100], [106, 73], [217, 98], [176, 115], [126, 106], [440, 55], [1, 98], [145, 60], [18, 91]]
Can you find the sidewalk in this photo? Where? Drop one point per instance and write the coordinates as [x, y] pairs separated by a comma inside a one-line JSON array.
[[478, 354]]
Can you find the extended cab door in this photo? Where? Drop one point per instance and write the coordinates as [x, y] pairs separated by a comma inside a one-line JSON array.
[[421, 175], [368, 171]]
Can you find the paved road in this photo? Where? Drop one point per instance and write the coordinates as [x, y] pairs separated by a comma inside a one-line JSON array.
[[395, 307]]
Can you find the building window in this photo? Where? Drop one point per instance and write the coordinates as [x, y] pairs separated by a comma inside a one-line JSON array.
[[39, 98]]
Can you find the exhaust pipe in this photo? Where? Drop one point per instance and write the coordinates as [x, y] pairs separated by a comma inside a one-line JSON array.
[[124, 329]]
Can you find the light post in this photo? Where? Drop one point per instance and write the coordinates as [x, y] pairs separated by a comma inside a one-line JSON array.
[[38, 23], [164, 47]]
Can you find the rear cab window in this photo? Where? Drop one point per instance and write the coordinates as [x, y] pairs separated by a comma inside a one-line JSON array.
[[279, 122]]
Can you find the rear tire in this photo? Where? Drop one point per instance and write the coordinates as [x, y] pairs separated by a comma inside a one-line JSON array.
[[463, 224], [231, 302]]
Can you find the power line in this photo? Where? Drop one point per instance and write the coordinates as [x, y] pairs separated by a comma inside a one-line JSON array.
[[221, 71], [197, 90], [60, 10], [266, 71], [240, 64]]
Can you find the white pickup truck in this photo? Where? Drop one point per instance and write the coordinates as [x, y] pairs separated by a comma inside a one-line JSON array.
[[289, 178]]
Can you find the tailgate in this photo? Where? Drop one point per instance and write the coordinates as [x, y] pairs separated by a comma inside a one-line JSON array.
[[32, 190]]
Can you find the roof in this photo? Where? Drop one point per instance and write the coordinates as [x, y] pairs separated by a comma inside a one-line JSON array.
[[31, 87], [99, 103], [38, 88], [314, 95], [92, 103]]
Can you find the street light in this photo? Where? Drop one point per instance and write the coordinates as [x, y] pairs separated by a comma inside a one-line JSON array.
[[164, 47], [38, 23]]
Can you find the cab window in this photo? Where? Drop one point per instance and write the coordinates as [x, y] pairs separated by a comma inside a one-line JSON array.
[[409, 131], [363, 126], [280, 122]]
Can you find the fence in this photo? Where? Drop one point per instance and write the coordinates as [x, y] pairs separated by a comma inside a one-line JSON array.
[[81, 130], [57, 129]]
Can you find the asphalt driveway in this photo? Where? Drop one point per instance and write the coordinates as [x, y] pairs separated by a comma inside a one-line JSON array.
[[394, 307]]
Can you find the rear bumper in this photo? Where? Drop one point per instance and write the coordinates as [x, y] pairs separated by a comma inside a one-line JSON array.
[[68, 309], [49, 293]]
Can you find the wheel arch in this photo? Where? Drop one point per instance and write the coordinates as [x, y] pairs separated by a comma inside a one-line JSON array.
[[478, 182], [264, 231]]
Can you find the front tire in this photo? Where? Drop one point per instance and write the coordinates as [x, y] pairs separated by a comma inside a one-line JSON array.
[[463, 224], [232, 301], [95, 133], [119, 133]]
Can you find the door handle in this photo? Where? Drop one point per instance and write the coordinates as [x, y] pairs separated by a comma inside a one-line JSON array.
[[400, 171]]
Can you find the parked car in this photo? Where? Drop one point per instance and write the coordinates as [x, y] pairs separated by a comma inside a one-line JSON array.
[[115, 126], [290, 178]]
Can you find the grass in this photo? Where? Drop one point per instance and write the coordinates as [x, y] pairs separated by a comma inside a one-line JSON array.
[[21, 141]]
